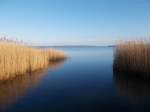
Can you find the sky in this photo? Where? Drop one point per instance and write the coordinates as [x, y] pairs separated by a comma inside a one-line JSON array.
[[74, 22]]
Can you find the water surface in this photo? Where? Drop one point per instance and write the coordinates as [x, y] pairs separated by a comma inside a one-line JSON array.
[[84, 83]]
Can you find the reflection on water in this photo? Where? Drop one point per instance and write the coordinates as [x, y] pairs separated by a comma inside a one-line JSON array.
[[12, 90], [136, 89]]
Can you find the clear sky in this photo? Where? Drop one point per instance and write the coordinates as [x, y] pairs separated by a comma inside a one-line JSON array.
[[74, 22]]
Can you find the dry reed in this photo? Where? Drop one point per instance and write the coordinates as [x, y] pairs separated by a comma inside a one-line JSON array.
[[17, 59], [132, 57]]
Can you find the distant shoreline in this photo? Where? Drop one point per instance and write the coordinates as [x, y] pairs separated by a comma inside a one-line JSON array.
[[73, 46]]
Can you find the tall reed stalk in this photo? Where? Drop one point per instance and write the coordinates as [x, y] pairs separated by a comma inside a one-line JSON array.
[[133, 57], [17, 59]]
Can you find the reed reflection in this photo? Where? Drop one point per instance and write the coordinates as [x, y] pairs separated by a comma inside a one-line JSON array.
[[137, 89], [12, 90]]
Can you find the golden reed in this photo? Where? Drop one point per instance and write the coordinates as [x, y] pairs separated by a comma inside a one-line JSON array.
[[132, 57], [17, 59]]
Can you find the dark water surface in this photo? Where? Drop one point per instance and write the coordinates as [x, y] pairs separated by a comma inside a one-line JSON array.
[[83, 83]]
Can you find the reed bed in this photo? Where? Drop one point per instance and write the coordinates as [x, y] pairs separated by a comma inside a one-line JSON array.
[[17, 59], [132, 57]]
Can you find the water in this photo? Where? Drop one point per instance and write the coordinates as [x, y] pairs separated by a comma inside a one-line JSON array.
[[83, 83]]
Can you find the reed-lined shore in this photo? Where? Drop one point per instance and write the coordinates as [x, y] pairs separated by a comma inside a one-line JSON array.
[[132, 57], [17, 59], [13, 90]]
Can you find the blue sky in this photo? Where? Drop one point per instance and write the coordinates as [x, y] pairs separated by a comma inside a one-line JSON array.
[[74, 22]]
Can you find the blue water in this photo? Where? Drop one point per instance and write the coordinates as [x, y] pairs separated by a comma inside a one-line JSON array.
[[83, 83]]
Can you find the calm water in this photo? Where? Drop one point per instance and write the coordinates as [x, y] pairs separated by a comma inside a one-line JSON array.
[[83, 83]]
